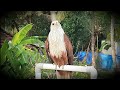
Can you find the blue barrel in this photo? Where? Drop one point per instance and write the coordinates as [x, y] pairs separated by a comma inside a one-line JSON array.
[[118, 59], [106, 61], [89, 58], [81, 55]]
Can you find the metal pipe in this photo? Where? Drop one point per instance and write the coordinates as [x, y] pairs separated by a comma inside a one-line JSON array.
[[89, 69]]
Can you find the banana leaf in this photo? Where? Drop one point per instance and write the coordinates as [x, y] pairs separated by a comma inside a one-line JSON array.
[[21, 34], [32, 41], [3, 51]]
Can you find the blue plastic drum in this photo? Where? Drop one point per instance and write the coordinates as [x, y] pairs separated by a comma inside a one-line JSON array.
[[81, 55], [89, 58], [106, 61]]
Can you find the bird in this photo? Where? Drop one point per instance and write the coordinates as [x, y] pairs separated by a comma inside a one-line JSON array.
[[59, 49]]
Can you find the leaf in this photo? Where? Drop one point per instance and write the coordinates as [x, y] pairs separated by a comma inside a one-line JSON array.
[[3, 51], [104, 44], [32, 41], [15, 64], [20, 49], [35, 37], [4, 47], [23, 60], [33, 58], [107, 47], [6, 68], [21, 34], [10, 55], [25, 56]]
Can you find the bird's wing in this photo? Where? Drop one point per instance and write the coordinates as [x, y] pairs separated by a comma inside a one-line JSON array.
[[47, 50], [69, 49]]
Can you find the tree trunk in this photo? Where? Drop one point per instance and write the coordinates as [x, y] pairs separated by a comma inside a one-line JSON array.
[[112, 42], [78, 43], [53, 15], [93, 41], [87, 52]]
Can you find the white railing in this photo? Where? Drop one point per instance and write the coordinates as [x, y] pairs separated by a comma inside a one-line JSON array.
[[74, 68]]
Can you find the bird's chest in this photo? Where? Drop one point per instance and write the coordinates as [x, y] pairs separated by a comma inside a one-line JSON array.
[[56, 44]]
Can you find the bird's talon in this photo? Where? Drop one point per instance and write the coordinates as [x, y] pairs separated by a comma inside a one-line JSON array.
[[56, 67], [62, 66]]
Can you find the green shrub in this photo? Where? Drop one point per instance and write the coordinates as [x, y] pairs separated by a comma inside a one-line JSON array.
[[17, 58]]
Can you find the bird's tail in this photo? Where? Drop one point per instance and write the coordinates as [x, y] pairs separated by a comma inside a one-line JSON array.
[[63, 74]]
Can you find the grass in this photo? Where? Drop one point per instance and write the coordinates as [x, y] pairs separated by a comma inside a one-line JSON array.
[[50, 74]]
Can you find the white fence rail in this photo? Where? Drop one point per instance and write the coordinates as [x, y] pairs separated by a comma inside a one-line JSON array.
[[74, 68]]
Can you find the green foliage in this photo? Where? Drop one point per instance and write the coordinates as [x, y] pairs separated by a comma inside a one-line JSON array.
[[80, 75], [107, 24], [61, 15], [103, 74], [107, 47], [41, 26], [32, 41], [103, 21], [50, 74], [76, 26], [7, 21], [21, 34], [116, 34], [3, 51], [103, 45], [17, 60]]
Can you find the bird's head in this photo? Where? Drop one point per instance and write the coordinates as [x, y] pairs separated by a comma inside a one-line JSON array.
[[55, 25]]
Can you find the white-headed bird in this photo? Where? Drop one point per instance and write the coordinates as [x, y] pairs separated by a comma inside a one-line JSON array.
[[59, 49]]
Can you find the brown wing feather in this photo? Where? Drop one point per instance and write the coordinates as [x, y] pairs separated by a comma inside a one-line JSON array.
[[47, 50], [69, 49]]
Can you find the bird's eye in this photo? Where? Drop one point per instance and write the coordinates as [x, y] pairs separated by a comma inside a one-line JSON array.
[[53, 24]]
